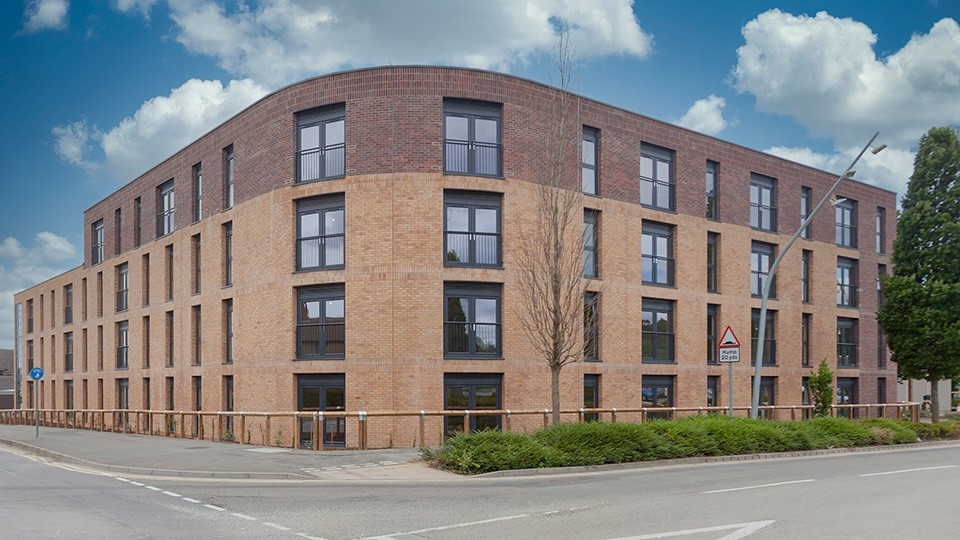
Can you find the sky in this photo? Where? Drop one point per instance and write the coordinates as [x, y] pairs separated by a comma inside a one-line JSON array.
[[96, 92]]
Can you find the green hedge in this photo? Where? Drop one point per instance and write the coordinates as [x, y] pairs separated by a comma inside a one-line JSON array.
[[595, 443]]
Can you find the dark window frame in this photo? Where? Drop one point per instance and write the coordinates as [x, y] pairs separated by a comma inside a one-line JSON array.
[[229, 178], [227, 232], [881, 233], [321, 206], [649, 386], [97, 242], [760, 252], [320, 294], [591, 326], [197, 175], [68, 303], [806, 206], [137, 227], [67, 352], [713, 390], [471, 292], [806, 323], [473, 201], [591, 243], [324, 384], [123, 287], [196, 243], [759, 185], [326, 154], [652, 258], [228, 331], [472, 382], [655, 308], [847, 279], [656, 155], [591, 381], [769, 337], [166, 209], [197, 327], [806, 260], [713, 190], [847, 343], [472, 110], [845, 223], [713, 333], [590, 137], [123, 345], [713, 262]]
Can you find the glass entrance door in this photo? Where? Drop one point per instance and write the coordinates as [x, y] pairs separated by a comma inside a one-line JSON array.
[[322, 393]]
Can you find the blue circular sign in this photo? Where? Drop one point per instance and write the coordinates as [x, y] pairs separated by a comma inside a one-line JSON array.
[[36, 373]]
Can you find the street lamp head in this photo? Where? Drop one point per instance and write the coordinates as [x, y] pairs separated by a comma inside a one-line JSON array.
[[849, 174], [837, 200], [877, 149]]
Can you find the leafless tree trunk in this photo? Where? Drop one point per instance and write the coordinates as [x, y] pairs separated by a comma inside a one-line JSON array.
[[550, 261]]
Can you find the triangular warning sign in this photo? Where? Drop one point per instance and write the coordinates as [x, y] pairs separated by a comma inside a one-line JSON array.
[[728, 340]]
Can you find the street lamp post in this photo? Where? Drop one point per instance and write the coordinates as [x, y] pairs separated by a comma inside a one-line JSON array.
[[755, 407]]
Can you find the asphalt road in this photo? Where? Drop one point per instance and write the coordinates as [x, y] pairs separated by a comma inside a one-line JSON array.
[[897, 494]]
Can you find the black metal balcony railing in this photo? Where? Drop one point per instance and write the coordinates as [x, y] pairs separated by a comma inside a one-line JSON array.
[[326, 339], [122, 300], [472, 157], [122, 357], [657, 270], [324, 162], [846, 355], [321, 252], [846, 295], [657, 193], [473, 248], [164, 225], [68, 315], [463, 338]]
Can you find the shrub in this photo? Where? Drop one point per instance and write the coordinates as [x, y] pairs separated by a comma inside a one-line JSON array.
[[492, 450]]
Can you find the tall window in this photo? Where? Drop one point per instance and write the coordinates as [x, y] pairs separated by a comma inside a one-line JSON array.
[[168, 330], [590, 150], [846, 395], [713, 391], [591, 326], [591, 396], [123, 287], [123, 345], [228, 404], [806, 202], [472, 137], [321, 143], [197, 336], [228, 331], [117, 237], [30, 316], [123, 395], [197, 393], [195, 240], [846, 282], [320, 233], [591, 243], [846, 223], [474, 392], [96, 256], [100, 350], [471, 234], [881, 272], [761, 257], [657, 254], [137, 229], [170, 393], [68, 304], [881, 225], [657, 331], [145, 337], [165, 208], [763, 202], [228, 178], [197, 193], [322, 393], [806, 259], [846, 342], [713, 261], [713, 325], [321, 322], [713, 194], [471, 319], [656, 177], [145, 286], [657, 392], [881, 348], [29, 355], [769, 338], [68, 352], [228, 254], [169, 254], [805, 322]]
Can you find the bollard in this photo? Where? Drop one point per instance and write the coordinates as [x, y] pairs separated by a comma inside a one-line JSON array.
[[508, 420], [581, 415], [423, 429], [243, 426], [315, 433], [793, 412], [546, 418], [362, 417], [613, 417]]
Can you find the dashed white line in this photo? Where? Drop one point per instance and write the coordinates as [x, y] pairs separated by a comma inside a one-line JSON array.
[[189, 500], [243, 516], [172, 494], [153, 488], [910, 470], [121, 479], [760, 486], [137, 483], [457, 526], [308, 537], [212, 507], [276, 526]]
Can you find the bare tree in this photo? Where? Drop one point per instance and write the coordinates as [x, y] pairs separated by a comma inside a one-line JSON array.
[[550, 262]]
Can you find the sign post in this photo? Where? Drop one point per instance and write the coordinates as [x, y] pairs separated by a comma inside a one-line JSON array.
[[36, 374], [729, 353]]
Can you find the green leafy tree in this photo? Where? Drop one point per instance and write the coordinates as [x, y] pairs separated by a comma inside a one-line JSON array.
[[821, 389], [921, 311]]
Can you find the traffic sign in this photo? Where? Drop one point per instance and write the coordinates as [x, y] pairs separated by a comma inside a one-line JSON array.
[[729, 340], [36, 373], [729, 355]]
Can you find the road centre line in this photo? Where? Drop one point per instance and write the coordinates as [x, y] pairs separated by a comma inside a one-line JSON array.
[[910, 470], [189, 500], [276, 526], [243, 516], [153, 488], [172, 494], [760, 486], [217, 508], [448, 527]]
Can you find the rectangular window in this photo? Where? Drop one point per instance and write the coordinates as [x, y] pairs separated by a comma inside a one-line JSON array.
[[471, 320], [228, 254], [165, 208], [769, 338], [195, 240], [68, 352], [321, 318], [145, 336], [763, 202], [657, 262], [30, 364], [145, 401], [197, 393], [591, 396], [100, 348], [713, 262], [99, 294], [806, 206], [589, 167], [197, 336], [591, 326], [68, 304], [123, 397], [68, 395], [713, 331], [117, 243], [881, 392], [320, 233], [473, 392], [846, 395], [83, 299], [123, 287], [806, 321], [96, 256], [317, 392], [806, 259], [881, 349], [137, 217], [84, 347], [472, 138], [881, 272], [197, 193], [53, 309], [145, 286], [713, 391], [658, 392], [123, 345], [881, 225], [656, 177], [169, 256], [713, 193], [846, 282], [657, 331], [168, 330], [228, 331], [846, 342], [321, 143], [761, 257], [228, 178], [846, 223], [170, 393], [40, 317], [591, 243], [471, 233], [228, 406], [53, 353], [768, 395], [30, 316]]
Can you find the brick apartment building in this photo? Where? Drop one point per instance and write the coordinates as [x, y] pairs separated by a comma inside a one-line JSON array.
[[349, 243]]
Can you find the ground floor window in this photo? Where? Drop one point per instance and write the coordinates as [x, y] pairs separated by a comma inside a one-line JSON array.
[[846, 395], [317, 392], [472, 392], [591, 397], [658, 392], [123, 401], [768, 395], [881, 395], [805, 397], [713, 391]]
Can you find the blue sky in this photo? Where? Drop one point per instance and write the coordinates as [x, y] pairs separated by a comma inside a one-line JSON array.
[[98, 91]]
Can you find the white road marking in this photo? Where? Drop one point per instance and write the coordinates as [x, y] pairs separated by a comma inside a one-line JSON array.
[[276, 526], [217, 508], [152, 488], [760, 486], [308, 537], [910, 470], [172, 494], [742, 530], [455, 526], [121, 479], [189, 500], [244, 516], [137, 483]]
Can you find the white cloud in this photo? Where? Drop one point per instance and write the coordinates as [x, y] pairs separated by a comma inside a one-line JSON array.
[[25, 266], [45, 15], [889, 169], [160, 127], [282, 41], [143, 6], [705, 115]]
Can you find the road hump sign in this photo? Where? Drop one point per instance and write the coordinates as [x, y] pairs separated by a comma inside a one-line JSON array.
[[729, 340]]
